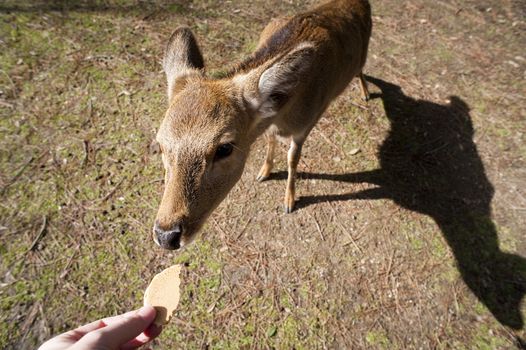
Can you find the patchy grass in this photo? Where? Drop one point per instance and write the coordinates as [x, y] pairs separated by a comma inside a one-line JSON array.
[[409, 235]]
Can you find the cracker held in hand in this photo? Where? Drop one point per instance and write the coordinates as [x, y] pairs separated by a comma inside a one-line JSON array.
[[163, 294]]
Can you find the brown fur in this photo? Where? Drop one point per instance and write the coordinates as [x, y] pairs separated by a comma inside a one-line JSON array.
[[329, 23], [300, 65]]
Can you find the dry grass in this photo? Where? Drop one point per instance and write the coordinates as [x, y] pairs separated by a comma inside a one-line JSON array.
[[416, 241]]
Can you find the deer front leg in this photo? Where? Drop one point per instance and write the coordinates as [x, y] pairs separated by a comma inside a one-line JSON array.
[[265, 170], [363, 87], [293, 158]]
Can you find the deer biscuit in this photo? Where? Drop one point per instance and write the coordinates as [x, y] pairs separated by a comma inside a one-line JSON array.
[[163, 294]]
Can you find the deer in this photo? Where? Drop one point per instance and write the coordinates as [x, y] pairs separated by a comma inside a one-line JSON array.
[[300, 64]]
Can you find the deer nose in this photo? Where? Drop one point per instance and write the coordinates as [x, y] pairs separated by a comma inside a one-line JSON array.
[[168, 239]]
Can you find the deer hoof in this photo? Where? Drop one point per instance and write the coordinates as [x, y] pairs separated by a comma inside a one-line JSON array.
[[261, 178], [289, 208]]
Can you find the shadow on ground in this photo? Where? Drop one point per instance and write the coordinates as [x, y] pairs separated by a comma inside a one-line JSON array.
[[430, 164]]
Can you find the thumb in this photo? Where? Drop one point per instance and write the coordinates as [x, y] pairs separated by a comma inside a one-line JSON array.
[[121, 330]]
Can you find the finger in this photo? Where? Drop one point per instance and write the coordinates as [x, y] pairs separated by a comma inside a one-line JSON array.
[[81, 331], [153, 331], [65, 340], [90, 327], [147, 336], [112, 319], [123, 329]]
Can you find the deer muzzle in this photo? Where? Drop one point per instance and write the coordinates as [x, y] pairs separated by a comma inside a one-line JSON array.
[[169, 239]]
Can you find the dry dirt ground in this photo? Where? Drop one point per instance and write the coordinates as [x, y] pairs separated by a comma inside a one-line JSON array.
[[410, 226]]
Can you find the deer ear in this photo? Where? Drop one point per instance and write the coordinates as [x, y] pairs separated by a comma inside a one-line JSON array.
[[278, 82], [182, 58]]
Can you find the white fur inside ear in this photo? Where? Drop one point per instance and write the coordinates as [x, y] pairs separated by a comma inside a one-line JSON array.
[[269, 84], [278, 82], [265, 91]]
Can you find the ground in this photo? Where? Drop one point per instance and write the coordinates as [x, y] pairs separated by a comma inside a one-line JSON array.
[[409, 229]]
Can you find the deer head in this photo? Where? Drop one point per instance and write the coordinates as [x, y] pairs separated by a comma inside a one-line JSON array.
[[208, 129]]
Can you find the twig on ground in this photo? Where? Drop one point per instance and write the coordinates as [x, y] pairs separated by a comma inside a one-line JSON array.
[[220, 228], [85, 144], [331, 143], [317, 226], [40, 234], [66, 270], [389, 266], [112, 192], [31, 317], [15, 93], [8, 105], [365, 108], [352, 240], [244, 228]]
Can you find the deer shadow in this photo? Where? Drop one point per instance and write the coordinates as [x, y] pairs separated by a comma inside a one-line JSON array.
[[430, 164]]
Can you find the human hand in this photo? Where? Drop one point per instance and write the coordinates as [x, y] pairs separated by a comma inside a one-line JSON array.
[[127, 331]]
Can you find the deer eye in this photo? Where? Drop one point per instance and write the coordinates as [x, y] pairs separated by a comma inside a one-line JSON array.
[[224, 151]]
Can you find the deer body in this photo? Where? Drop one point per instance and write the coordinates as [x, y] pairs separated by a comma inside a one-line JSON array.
[[299, 66]]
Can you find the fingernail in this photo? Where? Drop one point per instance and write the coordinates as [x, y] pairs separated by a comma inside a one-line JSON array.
[[146, 311]]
